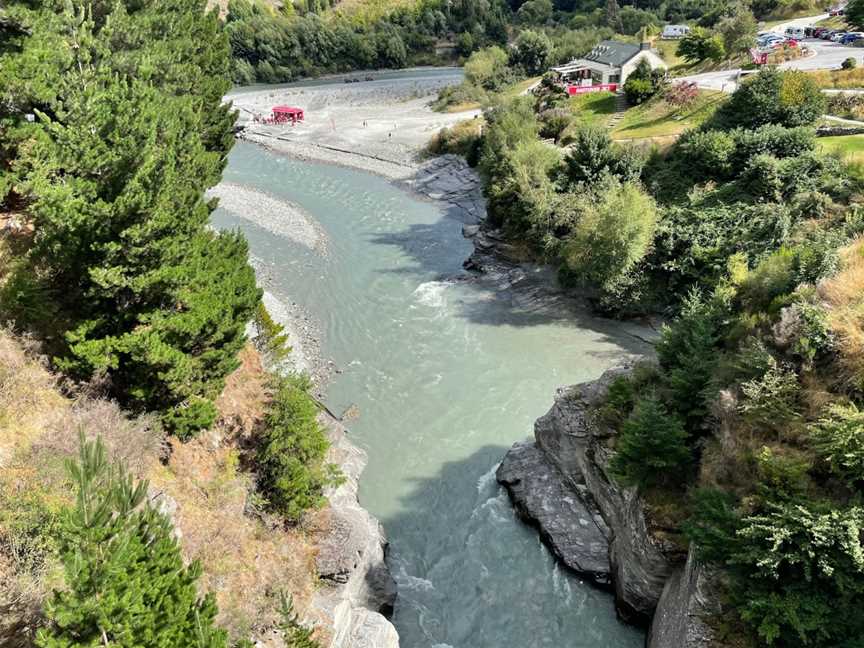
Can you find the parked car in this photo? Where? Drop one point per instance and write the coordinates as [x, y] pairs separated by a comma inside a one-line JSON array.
[[819, 32], [797, 33], [769, 38], [837, 11], [851, 37], [836, 38]]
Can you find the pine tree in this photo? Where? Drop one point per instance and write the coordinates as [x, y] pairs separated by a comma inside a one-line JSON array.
[[296, 635], [130, 131], [651, 447], [126, 584]]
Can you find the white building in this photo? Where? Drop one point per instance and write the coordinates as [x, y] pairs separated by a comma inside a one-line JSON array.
[[671, 32], [610, 63]]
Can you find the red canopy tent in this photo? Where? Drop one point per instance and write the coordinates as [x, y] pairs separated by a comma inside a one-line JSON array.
[[285, 114]]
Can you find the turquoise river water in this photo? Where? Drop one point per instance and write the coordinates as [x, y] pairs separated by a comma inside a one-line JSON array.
[[447, 371]]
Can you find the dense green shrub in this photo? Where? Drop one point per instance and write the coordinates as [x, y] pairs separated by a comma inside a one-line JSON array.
[[292, 472], [802, 575], [651, 447], [643, 83], [638, 90], [612, 235], [788, 98], [850, 63], [707, 154], [773, 277], [554, 122], [594, 155], [838, 438]]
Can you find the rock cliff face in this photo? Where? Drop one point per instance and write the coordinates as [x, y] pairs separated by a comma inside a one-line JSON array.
[[687, 602], [561, 483], [358, 591]]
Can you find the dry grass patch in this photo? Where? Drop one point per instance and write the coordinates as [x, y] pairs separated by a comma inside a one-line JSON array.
[[839, 79], [246, 563], [844, 293], [244, 399]]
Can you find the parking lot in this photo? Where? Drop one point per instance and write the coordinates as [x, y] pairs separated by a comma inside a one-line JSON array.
[[824, 55]]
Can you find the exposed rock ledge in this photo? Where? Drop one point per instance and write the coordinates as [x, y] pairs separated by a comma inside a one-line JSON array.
[[560, 483], [357, 592]]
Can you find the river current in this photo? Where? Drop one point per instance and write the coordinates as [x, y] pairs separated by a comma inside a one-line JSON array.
[[447, 371]]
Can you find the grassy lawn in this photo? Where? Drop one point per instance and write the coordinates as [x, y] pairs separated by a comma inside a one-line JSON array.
[[593, 109], [849, 147], [668, 52], [657, 118]]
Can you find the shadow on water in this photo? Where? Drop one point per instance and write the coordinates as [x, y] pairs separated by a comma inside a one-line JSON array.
[[471, 575], [518, 296]]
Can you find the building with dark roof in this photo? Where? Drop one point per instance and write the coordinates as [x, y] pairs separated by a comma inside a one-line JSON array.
[[609, 63]]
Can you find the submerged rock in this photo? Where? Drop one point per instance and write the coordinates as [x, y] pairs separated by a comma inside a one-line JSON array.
[[358, 591], [570, 440]]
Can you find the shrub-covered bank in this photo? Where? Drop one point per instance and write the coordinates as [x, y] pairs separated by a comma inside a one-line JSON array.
[[744, 438]]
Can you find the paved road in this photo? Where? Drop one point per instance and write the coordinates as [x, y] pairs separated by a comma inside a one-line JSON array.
[[826, 56]]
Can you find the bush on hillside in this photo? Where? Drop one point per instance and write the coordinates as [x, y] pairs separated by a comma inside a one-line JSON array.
[[787, 98], [838, 438], [554, 122], [594, 155], [613, 234], [651, 447], [850, 63], [292, 473], [638, 91], [801, 574]]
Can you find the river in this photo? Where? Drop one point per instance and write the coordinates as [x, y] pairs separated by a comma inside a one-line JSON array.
[[447, 372]]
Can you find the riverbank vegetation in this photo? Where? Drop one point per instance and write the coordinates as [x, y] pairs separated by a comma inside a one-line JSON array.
[[112, 127], [745, 436]]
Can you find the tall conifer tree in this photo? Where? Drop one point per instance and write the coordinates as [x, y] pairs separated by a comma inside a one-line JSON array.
[[127, 130]]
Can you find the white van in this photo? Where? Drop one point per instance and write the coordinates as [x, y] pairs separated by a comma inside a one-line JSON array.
[[671, 32], [797, 33]]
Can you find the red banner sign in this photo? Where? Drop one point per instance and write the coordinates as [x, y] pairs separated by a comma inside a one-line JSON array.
[[605, 87]]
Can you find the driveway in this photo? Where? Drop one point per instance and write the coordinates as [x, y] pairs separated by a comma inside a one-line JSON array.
[[826, 56]]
